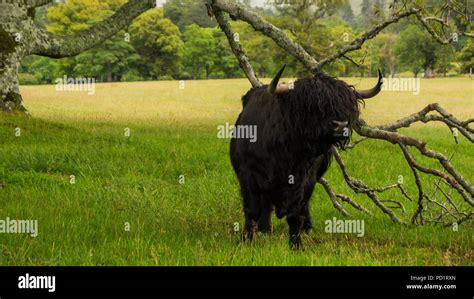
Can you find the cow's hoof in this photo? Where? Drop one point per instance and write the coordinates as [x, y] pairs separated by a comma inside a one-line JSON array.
[[295, 242], [247, 237]]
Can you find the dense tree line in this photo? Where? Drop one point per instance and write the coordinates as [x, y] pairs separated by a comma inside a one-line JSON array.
[[180, 41]]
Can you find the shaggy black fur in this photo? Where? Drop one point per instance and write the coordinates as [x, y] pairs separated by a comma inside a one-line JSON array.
[[295, 132]]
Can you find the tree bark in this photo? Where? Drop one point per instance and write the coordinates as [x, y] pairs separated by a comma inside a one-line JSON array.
[[19, 37], [14, 35]]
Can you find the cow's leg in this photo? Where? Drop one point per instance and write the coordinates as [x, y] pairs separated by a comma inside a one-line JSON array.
[[307, 225], [264, 221], [308, 191], [295, 223], [252, 213], [252, 209], [294, 218]]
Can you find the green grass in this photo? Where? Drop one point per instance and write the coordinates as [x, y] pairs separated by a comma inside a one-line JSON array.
[[135, 179]]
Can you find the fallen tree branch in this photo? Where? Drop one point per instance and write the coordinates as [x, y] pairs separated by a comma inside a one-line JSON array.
[[434, 34], [333, 197], [236, 48], [54, 46], [422, 116], [37, 3], [258, 23], [397, 138], [353, 203], [371, 33], [419, 212], [429, 209], [360, 187]]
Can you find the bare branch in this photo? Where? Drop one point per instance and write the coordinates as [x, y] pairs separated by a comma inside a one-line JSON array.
[[360, 187], [333, 197], [448, 198], [236, 48], [461, 220], [397, 138], [351, 60], [259, 24], [468, 34], [356, 142], [37, 3], [439, 39], [357, 43], [353, 203], [436, 19], [398, 205], [419, 211], [422, 116], [50, 45]]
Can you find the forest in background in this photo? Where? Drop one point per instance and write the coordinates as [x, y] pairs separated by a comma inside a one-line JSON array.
[[180, 41]]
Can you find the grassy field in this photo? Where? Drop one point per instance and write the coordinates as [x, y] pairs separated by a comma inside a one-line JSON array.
[[134, 180]]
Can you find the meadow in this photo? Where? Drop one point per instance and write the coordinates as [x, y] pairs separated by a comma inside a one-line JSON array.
[[128, 206]]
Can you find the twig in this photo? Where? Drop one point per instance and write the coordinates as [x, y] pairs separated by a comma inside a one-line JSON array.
[[270, 30], [353, 203], [419, 212], [360, 187], [332, 197], [236, 48], [357, 43]]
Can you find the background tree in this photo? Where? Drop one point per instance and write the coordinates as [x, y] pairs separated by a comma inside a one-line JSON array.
[[264, 55], [417, 51], [187, 12], [346, 13], [387, 57], [466, 56], [158, 41], [200, 53], [302, 20], [371, 12], [21, 37], [106, 62], [225, 65]]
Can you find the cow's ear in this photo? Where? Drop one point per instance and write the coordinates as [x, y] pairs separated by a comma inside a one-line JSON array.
[[274, 87]]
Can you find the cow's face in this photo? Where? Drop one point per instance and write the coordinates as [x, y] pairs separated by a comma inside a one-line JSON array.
[[327, 108], [337, 131], [340, 130]]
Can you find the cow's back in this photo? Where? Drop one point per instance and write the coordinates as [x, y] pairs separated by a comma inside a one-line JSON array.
[[265, 158]]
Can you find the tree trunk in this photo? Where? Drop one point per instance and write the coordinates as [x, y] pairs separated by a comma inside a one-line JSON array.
[[429, 72], [14, 43], [208, 71], [10, 97], [392, 67], [19, 37]]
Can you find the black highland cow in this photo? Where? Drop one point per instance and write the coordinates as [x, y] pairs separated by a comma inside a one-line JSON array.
[[296, 125]]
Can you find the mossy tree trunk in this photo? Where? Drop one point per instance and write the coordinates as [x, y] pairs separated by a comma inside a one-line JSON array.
[[19, 37]]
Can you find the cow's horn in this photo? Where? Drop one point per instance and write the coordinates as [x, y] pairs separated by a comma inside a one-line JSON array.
[[276, 88], [369, 93]]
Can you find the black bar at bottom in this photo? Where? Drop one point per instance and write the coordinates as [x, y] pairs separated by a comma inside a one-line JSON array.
[[238, 282]]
